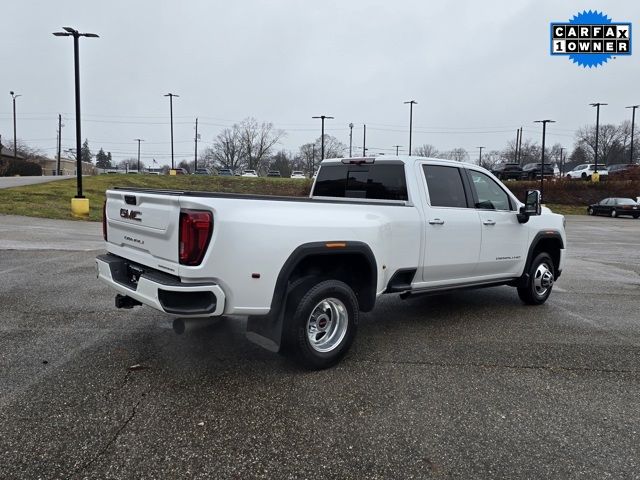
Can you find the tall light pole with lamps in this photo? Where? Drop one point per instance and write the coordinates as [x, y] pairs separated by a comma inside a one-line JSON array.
[[79, 204]]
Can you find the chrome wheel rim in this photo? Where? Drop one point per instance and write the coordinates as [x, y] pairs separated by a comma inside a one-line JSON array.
[[327, 325], [543, 279]]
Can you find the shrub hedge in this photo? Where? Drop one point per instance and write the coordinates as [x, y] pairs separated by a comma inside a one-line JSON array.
[[578, 192], [10, 168]]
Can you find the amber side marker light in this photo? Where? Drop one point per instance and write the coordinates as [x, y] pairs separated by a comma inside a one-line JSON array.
[[335, 245]]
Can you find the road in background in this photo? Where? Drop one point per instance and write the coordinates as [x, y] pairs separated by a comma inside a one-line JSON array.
[[467, 385], [9, 182]]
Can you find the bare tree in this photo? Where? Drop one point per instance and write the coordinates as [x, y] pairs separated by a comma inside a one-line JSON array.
[[257, 140], [610, 142], [426, 150], [458, 154], [226, 151], [282, 161]]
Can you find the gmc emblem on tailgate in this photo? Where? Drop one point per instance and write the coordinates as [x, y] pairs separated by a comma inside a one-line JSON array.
[[130, 214]]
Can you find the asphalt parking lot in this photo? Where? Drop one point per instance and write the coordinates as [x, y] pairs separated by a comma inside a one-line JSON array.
[[466, 385]]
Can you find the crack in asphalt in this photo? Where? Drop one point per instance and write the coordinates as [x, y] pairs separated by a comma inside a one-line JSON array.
[[113, 438]]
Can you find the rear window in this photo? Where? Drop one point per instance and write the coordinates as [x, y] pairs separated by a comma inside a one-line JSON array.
[[445, 186], [625, 201], [376, 182]]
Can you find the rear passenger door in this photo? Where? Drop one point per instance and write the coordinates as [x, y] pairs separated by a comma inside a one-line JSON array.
[[504, 240], [452, 240]]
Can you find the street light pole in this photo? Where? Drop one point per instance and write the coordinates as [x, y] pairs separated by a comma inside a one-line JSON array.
[[322, 118], [480, 157], [597, 105], [544, 133], [171, 95], [561, 162], [15, 138], [138, 140], [397, 147], [411, 103], [350, 138], [364, 141], [70, 32], [633, 127]]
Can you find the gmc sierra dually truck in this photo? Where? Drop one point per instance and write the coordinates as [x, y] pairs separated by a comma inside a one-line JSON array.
[[302, 269]]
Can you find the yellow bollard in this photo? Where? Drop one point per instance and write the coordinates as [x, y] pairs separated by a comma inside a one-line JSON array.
[[172, 172], [80, 207], [595, 177]]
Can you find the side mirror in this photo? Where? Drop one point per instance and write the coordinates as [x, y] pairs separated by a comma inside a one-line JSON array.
[[531, 206]]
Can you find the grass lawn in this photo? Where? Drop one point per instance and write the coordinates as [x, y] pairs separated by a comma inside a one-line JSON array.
[[53, 200]]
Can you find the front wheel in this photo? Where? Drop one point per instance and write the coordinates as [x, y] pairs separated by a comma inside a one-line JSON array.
[[541, 278], [614, 214], [321, 323], [590, 211]]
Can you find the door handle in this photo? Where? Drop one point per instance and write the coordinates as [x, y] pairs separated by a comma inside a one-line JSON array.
[[489, 222], [436, 221]]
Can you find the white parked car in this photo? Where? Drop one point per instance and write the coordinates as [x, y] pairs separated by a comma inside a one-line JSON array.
[[298, 174], [302, 269], [249, 173], [585, 171]]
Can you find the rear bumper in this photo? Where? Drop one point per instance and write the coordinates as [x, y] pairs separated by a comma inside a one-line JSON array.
[[159, 290]]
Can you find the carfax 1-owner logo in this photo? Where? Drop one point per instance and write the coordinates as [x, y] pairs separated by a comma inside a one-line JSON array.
[[590, 38]]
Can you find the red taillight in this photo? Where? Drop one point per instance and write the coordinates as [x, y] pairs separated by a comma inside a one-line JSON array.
[[196, 227], [104, 220]]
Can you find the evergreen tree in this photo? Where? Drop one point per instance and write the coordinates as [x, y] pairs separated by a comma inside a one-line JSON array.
[[85, 152], [102, 159]]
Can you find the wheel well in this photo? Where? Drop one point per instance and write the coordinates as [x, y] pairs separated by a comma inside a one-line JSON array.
[[354, 269], [551, 246]]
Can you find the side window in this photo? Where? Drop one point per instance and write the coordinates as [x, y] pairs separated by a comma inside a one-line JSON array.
[[378, 182], [490, 195], [605, 202], [445, 186]]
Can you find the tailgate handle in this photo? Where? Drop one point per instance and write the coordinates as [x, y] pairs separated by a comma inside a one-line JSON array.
[[130, 199]]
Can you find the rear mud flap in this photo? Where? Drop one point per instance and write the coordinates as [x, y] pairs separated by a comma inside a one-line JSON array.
[[266, 330]]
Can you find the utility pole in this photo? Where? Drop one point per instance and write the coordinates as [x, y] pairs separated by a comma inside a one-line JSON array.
[[138, 140], [520, 147], [544, 132], [195, 155], [597, 105], [350, 138], [397, 147], [517, 145], [59, 143], [411, 104], [480, 157], [322, 118], [171, 95], [15, 138], [561, 162], [633, 127], [364, 142]]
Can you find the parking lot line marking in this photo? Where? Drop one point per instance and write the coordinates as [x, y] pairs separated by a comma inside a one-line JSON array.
[[21, 267]]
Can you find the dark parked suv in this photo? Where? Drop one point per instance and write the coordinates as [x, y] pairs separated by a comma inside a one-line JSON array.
[[507, 171], [531, 171], [626, 171]]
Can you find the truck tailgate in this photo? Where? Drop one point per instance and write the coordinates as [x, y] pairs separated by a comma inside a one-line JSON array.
[[143, 226]]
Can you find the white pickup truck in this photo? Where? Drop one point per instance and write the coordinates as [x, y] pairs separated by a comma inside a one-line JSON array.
[[302, 269]]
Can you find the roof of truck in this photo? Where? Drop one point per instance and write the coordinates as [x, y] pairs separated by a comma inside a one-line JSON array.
[[402, 158]]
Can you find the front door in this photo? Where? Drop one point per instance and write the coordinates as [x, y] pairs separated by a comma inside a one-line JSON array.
[[504, 240]]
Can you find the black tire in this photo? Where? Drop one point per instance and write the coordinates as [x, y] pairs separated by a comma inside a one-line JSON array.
[[590, 211], [584, 176], [337, 323], [636, 216], [539, 288], [613, 213]]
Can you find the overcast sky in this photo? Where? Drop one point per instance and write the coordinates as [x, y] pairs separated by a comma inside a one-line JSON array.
[[478, 70]]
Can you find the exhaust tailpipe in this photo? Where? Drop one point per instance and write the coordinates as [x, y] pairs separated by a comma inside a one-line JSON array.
[[182, 325]]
